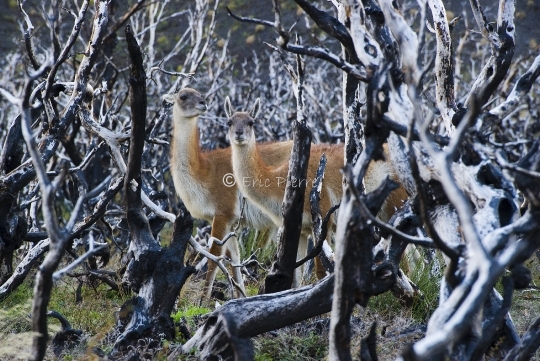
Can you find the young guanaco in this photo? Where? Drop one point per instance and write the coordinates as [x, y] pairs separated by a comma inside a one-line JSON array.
[[201, 180], [264, 183]]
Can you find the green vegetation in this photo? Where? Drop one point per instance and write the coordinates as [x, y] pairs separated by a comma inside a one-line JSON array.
[[291, 346], [260, 244], [14, 312], [95, 314], [429, 285], [191, 315], [189, 312], [87, 315], [423, 307]]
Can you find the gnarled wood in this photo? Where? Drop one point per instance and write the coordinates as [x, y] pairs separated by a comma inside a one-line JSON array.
[[156, 274]]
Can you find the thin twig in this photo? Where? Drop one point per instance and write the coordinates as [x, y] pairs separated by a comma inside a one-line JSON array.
[[421, 241], [235, 229], [172, 73], [217, 261], [60, 273], [503, 163], [321, 239]]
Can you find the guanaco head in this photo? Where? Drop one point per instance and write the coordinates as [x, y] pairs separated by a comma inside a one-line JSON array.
[[189, 101], [241, 123]]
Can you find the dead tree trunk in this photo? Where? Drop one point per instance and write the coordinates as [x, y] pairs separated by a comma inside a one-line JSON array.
[[58, 237], [144, 248], [259, 314], [263, 313], [281, 276], [528, 346], [156, 274], [150, 315], [355, 234]]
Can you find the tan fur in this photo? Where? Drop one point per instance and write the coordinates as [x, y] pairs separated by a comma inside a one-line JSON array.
[[198, 179], [267, 191], [264, 184]]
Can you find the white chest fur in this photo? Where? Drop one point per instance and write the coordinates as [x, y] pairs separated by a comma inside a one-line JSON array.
[[188, 185], [194, 196], [248, 181]]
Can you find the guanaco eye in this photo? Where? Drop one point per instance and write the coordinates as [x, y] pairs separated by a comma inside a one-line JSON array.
[[250, 124], [229, 123], [183, 97]]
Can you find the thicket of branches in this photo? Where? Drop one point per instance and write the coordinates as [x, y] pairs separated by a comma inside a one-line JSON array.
[[84, 164]]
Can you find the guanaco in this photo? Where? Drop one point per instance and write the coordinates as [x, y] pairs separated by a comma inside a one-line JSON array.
[[264, 184], [201, 180]]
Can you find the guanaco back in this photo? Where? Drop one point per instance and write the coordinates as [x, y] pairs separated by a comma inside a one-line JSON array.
[[201, 179], [264, 184]]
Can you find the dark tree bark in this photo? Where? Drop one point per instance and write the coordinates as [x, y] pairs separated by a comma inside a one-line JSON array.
[[353, 256], [42, 246], [12, 225], [355, 234], [156, 274], [527, 184], [151, 309], [242, 347], [331, 26], [138, 103], [12, 232], [13, 150], [407, 221], [17, 180], [259, 314], [368, 346], [528, 346], [256, 315], [281, 276], [495, 330], [225, 342], [144, 248], [354, 131], [320, 224], [67, 337]]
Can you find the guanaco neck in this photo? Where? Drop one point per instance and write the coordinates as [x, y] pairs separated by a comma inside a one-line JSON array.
[[248, 164], [186, 153], [243, 160]]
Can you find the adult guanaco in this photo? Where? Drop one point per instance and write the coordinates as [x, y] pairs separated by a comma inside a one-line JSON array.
[[264, 184], [201, 180]]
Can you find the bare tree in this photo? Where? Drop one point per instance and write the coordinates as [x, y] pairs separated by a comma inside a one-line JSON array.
[[58, 103], [282, 274], [85, 123], [473, 220]]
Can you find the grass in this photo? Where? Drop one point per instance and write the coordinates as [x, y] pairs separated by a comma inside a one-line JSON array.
[[15, 327], [191, 316], [291, 345], [15, 310], [88, 315], [95, 315], [260, 244], [423, 307]]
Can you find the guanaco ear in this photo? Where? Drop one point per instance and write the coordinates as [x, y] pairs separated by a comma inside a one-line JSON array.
[[228, 107], [169, 98], [255, 109]]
